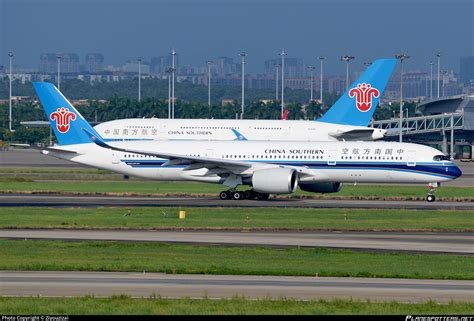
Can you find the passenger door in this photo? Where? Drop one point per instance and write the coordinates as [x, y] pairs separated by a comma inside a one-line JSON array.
[[332, 157], [411, 158], [115, 157], [209, 153], [162, 132]]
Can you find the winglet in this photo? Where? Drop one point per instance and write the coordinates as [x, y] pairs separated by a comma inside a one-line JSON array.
[[239, 135]]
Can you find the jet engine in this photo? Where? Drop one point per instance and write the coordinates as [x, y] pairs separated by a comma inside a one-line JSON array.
[[275, 180], [329, 187]]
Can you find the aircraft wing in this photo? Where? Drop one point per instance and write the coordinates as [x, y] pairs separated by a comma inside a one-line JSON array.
[[213, 165], [359, 134], [194, 162]]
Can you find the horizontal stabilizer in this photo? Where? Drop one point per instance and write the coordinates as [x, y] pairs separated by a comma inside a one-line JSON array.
[[359, 134], [49, 149]]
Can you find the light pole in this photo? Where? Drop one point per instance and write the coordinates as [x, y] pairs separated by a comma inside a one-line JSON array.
[[139, 59], [10, 56], [209, 63], [431, 79], [401, 57], [445, 73], [439, 64], [282, 54], [347, 58], [311, 68], [59, 57], [321, 59], [169, 71], [173, 70], [242, 61], [277, 66]]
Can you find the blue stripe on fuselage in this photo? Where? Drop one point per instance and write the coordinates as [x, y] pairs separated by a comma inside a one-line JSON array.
[[448, 170]]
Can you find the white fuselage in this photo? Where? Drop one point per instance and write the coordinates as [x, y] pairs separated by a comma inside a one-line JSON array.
[[221, 129], [346, 162]]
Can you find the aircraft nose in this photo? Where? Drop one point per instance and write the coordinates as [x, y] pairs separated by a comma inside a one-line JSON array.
[[455, 171]]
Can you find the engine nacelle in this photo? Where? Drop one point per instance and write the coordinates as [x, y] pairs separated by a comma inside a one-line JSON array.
[[275, 180], [330, 187]]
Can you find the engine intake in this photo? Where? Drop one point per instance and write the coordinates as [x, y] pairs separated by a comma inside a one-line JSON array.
[[330, 187], [275, 180]]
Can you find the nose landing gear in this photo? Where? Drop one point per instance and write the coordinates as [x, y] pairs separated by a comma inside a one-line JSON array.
[[431, 190]]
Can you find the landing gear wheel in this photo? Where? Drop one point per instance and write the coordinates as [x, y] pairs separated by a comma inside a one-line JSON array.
[[224, 195], [250, 194], [238, 196], [263, 196], [431, 190]]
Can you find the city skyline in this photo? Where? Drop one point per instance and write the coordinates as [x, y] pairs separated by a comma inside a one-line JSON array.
[[296, 68], [142, 28]]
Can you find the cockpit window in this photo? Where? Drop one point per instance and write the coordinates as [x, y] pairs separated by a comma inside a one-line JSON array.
[[439, 158]]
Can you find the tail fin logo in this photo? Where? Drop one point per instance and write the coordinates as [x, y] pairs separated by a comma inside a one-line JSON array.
[[364, 93], [63, 117]]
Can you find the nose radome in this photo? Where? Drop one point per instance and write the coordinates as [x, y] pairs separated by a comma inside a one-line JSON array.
[[456, 171]]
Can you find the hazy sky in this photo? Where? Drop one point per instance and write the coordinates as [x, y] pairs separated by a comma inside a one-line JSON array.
[[203, 29]]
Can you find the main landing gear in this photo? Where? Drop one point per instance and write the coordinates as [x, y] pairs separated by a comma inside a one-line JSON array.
[[431, 190], [240, 195]]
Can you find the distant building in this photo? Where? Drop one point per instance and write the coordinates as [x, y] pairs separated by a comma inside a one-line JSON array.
[[69, 63], [159, 65], [416, 84], [299, 83], [294, 67], [131, 66], [336, 84], [466, 70], [94, 63], [226, 66], [48, 63]]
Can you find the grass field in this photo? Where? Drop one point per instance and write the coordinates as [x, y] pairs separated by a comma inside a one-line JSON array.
[[111, 256], [237, 218], [52, 170], [125, 305], [134, 187]]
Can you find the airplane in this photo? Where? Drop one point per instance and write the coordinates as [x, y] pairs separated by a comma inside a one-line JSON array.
[[269, 167], [346, 120]]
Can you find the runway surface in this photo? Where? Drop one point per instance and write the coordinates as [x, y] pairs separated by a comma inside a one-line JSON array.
[[453, 243], [225, 286], [50, 200]]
